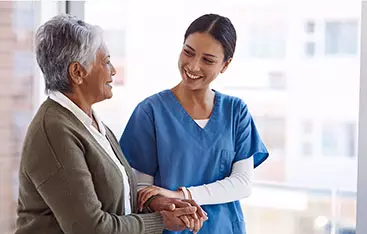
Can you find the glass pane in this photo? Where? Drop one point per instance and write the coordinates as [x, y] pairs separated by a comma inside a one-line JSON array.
[[305, 107], [341, 37], [310, 27], [18, 74], [308, 185], [310, 49], [339, 139]]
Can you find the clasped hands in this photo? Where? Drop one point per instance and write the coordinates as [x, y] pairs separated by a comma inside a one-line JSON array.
[[177, 213]]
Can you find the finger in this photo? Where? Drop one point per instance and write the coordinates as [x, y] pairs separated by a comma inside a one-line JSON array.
[[185, 211], [185, 220], [197, 225], [181, 204], [195, 216], [141, 198], [143, 190], [171, 207], [192, 227], [147, 195], [201, 212], [141, 195], [144, 197]]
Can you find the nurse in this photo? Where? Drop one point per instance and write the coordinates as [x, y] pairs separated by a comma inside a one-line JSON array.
[[194, 142]]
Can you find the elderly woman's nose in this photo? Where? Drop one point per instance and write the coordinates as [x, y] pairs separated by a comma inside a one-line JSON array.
[[113, 70]]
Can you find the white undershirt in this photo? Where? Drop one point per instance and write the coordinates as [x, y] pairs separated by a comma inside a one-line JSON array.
[[235, 187], [99, 136], [202, 122]]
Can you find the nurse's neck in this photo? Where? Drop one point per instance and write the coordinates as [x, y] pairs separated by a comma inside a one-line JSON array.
[[200, 97]]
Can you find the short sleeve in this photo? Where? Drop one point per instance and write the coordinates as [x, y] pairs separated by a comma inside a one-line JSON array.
[[138, 142], [248, 141]]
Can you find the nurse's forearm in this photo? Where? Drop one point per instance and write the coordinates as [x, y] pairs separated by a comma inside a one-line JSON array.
[[235, 187], [145, 180]]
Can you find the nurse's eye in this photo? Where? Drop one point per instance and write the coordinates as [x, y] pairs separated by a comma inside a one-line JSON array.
[[209, 61], [188, 53]]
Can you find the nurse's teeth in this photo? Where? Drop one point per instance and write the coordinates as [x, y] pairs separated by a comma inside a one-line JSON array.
[[192, 76]]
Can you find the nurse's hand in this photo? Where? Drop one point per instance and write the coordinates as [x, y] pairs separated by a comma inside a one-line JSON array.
[[193, 222], [149, 191], [172, 221]]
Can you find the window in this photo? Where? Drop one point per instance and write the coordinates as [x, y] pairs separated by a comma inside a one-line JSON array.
[[341, 37], [274, 43], [307, 127], [277, 80], [25, 63], [116, 39], [273, 40], [24, 17], [18, 75], [307, 138], [116, 42], [272, 131], [310, 49], [310, 27], [307, 148], [339, 139], [267, 40]]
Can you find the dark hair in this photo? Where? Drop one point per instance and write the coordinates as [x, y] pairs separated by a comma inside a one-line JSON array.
[[218, 27]]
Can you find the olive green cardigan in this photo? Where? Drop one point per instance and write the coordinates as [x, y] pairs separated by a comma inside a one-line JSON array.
[[68, 183]]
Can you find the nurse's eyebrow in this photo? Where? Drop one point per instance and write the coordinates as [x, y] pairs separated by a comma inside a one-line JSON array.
[[206, 54]]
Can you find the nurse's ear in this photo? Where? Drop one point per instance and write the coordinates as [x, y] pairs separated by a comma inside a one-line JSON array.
[[225, 65]]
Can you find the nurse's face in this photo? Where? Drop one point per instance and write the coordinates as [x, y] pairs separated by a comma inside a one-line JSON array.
[[201, 60]]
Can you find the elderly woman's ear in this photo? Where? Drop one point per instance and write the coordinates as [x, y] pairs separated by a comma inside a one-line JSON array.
[[77, 73]]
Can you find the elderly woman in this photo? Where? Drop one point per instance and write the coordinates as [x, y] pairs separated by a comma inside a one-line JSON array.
[[73, 176]]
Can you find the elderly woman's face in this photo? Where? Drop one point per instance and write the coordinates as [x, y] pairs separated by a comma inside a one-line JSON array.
[[98, 82]]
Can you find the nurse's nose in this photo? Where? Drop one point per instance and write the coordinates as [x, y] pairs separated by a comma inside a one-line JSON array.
[[194, 65]]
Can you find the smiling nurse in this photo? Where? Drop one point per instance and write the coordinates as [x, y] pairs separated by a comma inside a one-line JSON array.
[[194, 142]]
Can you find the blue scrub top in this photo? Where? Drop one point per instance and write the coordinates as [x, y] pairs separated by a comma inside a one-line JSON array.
[[162, 140]]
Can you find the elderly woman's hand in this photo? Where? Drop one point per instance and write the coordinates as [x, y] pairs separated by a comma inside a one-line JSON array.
[[172, 221], [149, 191], [181, 219], [194, 222]]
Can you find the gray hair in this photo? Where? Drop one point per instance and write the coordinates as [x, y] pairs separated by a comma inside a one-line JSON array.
[[61, 41]]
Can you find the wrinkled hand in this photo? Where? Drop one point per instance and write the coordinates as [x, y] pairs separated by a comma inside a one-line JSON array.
[[149, 191], [193, 221], [172, 221]]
